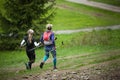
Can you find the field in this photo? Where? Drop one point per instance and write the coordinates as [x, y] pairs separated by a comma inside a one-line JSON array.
[[84, 55], [76, 52], [78, 16]]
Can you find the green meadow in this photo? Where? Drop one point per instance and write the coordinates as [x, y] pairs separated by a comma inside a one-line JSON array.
[[78, 49], [75, 16]]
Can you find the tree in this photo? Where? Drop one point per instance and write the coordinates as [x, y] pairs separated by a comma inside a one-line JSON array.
[[20, 15]]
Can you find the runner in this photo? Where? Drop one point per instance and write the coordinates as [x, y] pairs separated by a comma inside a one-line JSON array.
[[48, 39], [30, 44]]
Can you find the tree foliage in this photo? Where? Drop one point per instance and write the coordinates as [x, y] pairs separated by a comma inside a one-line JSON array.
[[20, 15]]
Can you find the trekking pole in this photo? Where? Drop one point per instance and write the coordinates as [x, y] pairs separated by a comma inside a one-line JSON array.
[[57, 46], [40, 46], [34, 48]]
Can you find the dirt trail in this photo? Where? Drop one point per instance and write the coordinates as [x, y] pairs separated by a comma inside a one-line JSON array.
[[106, 70], [48, 61], [87, 29], [82, 56], [102, 71], [97, 4]]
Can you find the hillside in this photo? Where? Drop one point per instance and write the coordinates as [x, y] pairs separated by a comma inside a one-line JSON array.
[[88, 55]]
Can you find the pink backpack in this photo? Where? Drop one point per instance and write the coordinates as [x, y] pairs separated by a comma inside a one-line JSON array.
[[46, 36]]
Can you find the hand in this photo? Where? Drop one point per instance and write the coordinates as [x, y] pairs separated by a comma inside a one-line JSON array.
[[39, 43], [54, 48], [22, 45]]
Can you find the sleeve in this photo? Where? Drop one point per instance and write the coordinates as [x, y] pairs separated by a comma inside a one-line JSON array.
[[36, 44], [22, 42], [52, 38]]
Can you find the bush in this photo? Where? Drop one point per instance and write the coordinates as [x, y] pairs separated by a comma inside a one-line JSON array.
[[9, 42]]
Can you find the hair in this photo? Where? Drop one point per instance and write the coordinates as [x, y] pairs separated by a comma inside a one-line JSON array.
[[30, 33], [49, 26]]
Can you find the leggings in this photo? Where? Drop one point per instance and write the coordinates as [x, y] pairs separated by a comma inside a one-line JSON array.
[[53, 52], [31, 57]]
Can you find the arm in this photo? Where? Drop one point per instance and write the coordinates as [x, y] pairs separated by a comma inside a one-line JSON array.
[[52, 38], [35, 43], [22, 43]]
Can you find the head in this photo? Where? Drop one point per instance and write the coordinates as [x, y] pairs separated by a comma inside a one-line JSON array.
[[49, 26], [30, 31]]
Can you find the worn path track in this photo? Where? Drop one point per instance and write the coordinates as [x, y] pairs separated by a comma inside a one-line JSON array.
[[87, 29], [97, 4]]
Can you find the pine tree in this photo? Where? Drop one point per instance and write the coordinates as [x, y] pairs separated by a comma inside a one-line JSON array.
[[21, 15]]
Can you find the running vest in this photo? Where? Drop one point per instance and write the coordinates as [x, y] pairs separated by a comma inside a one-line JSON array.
[[46, 38]]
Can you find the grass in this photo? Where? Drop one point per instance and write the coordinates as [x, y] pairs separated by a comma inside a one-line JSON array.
[[75, 16], [79, 49], [75, 54], [111, 2], [96, 38], [88, 60]]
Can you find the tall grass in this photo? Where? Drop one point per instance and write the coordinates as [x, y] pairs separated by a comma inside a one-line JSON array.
[[95, 38]]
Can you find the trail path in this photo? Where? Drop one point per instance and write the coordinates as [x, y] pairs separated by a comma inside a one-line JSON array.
[[105, 70], [97, 4], [101, 71], [87, 29]]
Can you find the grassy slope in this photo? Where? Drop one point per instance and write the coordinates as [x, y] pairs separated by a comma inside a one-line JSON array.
[[84, 16], [75, 16], [76, 51], [89, 47], [78, 42], [111, 2], [78, 16]]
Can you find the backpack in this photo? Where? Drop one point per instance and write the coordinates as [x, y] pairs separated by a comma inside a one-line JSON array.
[[46, 38]]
